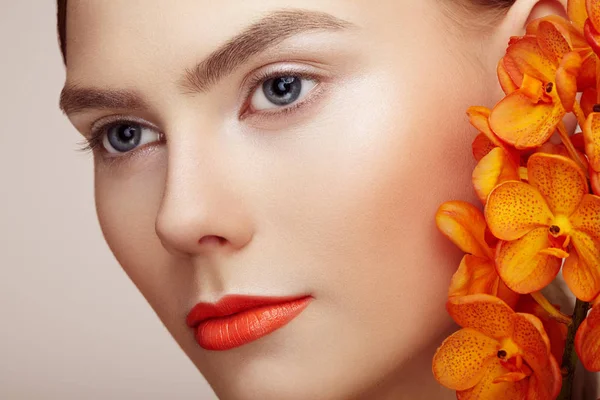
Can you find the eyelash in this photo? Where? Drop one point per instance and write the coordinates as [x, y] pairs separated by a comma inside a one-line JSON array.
[[94, 142]]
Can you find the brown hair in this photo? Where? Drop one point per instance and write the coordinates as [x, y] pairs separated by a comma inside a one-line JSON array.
[[61, 17]]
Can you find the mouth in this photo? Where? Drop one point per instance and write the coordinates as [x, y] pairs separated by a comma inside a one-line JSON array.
[[237, 319]]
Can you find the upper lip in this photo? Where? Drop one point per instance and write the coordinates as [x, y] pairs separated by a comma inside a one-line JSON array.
[[232, 304]]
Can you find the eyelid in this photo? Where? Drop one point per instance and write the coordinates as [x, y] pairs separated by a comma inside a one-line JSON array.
[[102, 123]]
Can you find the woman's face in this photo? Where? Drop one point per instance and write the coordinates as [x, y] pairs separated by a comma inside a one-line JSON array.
[[305, 155]]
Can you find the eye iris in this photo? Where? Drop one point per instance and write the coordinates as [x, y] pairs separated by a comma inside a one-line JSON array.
[[125, 137], [282, 90]]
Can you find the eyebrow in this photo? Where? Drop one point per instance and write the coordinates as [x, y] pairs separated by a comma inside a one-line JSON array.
[[256, 38]]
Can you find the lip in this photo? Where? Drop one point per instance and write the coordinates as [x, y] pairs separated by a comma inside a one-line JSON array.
[[238, 319]]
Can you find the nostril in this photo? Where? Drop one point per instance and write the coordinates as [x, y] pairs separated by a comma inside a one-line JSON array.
[[211, 240]]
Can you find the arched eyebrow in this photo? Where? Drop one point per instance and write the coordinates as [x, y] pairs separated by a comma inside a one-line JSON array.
[[256, 38]]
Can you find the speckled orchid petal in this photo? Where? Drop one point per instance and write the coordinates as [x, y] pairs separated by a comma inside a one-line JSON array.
[[464, 225], [576, 9], [568, 30], [530, 336], [514, 209], [552, 41], [482, 312], [506, 82], [559, 180], [593, 12], [481, 146], [591, 134], [523, 124], [566, 79], [460, 362], [560, 149], [496, 167], [523, 266], [487, 389], [529, 58], [587, 341]]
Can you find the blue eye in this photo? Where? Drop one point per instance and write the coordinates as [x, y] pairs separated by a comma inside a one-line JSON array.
[[281, 91], [124, 136]]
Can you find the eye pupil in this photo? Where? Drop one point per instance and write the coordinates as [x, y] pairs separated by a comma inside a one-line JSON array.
[[282, 90], [283, 85], [125, 137]]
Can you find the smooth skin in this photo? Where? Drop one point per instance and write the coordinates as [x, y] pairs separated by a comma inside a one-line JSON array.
[[333, 195]]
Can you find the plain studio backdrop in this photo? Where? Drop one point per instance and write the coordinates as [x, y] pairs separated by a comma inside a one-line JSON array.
[[72, 325]]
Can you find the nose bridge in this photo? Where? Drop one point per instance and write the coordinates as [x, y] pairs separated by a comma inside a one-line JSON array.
[[200, 211]]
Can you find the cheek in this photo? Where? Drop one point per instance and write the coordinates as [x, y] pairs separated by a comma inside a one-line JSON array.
[[127, 202]]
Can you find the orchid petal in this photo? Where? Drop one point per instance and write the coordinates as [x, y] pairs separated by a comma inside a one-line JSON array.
[[595, 182], [488, 389], [474, 275], [530, 336], [545, 383], [593, 11], [506, 82], [559, 180], [482, 312], [496, 167], [479, 118], [532, 88], [566, 79], [530, 59], [522, 265], [518, 121], [587, 341], [580, 276], [478, 275], [481, 146], [577, 13], [564, 26], [464, 225], [586, 77], [514, 209], [459, 363], [552, 42], [588, 99], [591, 134]]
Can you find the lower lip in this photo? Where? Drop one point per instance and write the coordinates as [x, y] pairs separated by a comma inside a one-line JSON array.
[[224, 333]]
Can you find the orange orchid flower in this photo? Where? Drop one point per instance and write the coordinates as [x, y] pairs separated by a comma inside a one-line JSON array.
[[572, 31], [465, 226], [553, 216], [587, 340], [499, 353], [539, 74]]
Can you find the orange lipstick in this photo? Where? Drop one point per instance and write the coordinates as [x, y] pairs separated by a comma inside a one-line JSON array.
[[237, 319]]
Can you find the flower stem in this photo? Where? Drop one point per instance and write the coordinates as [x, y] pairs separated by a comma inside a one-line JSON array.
[[569, 361]]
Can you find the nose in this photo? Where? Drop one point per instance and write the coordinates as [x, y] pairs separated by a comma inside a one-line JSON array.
[[202, 210]]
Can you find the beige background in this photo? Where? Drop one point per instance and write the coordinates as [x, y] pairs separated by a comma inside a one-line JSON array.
[[72, 325]]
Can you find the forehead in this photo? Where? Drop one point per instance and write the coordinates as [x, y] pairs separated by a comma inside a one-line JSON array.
[[134, 35]]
